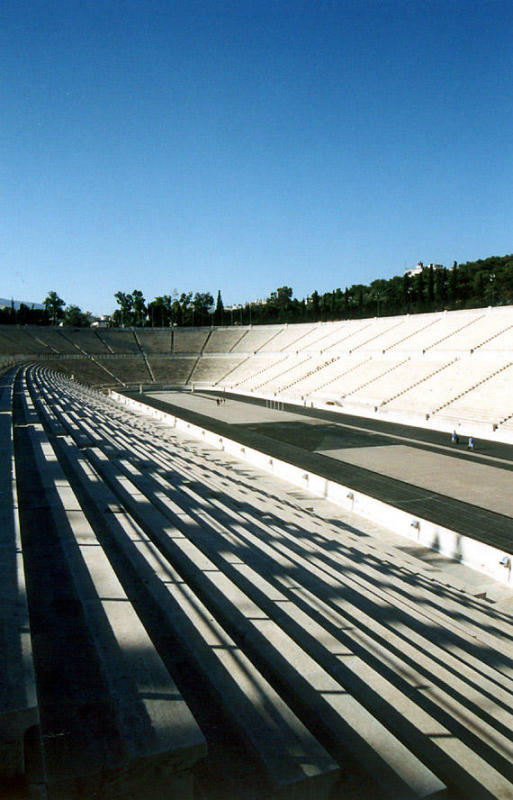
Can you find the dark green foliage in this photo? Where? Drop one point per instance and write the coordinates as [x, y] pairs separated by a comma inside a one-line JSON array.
[[132, 309], [24, 316], [54, 306], [471, 285], [202, 305], [74, 317], [160, 312], [486, 282], [219, 312]]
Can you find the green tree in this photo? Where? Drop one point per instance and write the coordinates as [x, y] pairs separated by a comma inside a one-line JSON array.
[[378, 294], [394, 291], [74, 317], [338, 304], [202, 304], [418, 289], [326, 305], [133, 307], [431, 284], [347, 302], [139, 307], [503, 276], [407, 291], [357, 299], [176, 312], [126, 303], [54, 306], [489, 287], [314, 306], [279, 303], [23, 314], [479, 285], [441, 287], [219, 312], [160, 311], [453, 284], [185, 310]]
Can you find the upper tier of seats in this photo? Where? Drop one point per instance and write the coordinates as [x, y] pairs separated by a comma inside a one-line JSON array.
[[489, 329], [457, 332], [421, 364]]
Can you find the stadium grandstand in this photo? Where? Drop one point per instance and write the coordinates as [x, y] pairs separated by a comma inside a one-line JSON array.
[[263, 562], [432, 370]]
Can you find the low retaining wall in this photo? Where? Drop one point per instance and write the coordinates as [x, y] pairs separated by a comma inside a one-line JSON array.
[[477, 555]]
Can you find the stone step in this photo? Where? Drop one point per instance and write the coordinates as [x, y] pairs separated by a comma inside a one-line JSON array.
[[424, 646], [19, 711], [413, 720], [410, 649], [475, 618], [132, 731], [418, 654], [292, 758], [477, 624], [315, 694]]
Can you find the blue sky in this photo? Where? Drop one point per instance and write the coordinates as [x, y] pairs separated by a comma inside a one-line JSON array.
[[243, 145]]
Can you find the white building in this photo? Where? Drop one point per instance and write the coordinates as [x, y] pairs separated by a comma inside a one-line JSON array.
[[419, 267]]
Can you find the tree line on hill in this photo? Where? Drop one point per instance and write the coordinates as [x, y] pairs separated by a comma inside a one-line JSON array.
[[486, 282]]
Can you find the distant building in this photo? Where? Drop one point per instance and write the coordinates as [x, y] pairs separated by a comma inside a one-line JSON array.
[[100, 322], [259, 302], [420, 266]]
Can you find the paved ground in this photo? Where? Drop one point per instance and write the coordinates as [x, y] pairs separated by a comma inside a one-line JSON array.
[[475, 477], [414, 469], [440, 473]]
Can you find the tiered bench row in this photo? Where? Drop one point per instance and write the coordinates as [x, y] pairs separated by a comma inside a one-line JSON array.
[[110, 719], [443, 367], [341, 663]]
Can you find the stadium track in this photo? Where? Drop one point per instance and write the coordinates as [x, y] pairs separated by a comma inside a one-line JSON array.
[[296, 441]]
